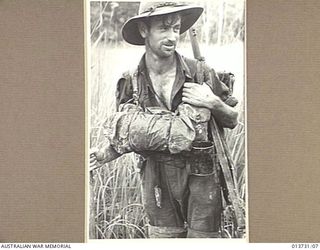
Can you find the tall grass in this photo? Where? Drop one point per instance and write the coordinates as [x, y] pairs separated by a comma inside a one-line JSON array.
[[117, 201], [235, 139], [116, 209]]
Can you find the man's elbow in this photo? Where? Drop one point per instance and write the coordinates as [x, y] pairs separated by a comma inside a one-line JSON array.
[[232, 122]]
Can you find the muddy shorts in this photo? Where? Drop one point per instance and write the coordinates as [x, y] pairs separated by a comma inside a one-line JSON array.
[[179, 203]]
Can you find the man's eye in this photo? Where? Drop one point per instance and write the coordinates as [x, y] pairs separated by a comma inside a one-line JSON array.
[[176, 29], [163, 28]]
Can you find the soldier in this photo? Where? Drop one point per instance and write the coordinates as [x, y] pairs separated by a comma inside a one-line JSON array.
[[162, 115]]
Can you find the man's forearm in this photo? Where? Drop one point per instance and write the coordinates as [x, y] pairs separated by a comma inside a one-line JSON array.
[[225, 115]]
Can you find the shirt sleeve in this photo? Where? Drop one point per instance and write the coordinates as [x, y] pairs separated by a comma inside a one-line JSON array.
[[124, 90]]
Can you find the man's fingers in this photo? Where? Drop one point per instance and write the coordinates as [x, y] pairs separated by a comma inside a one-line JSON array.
[[187, 92], [189, 84], [92, 159], [188, 95], [92, 164], [187, 100], [95, 165]]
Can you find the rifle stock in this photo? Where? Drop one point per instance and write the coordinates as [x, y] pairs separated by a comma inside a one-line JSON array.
[[195, 44]]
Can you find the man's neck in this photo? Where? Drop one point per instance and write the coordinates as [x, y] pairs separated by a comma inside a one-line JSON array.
[[159, 65]]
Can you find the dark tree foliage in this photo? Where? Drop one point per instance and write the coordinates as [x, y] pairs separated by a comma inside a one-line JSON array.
[[107, 19]]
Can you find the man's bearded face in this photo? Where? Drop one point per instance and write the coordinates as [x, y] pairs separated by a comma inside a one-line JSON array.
[[163, 35]]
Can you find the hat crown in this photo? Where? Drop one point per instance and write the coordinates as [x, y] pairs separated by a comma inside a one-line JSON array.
[[151, 7]]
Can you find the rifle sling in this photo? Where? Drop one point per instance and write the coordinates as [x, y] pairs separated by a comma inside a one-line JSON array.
[[224, 163]]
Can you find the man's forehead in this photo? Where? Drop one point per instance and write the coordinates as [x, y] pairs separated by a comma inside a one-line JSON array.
[[169, 19]]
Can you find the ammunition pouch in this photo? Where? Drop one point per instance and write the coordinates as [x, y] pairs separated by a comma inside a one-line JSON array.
[[201, 158], [199, 118]]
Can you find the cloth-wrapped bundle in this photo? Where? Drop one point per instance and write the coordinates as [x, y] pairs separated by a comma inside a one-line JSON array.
[[156, 129]]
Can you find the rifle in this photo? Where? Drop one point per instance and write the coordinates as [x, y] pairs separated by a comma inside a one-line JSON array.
[[222, 149]]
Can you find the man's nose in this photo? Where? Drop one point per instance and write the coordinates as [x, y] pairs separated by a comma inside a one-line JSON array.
[[172, 35]]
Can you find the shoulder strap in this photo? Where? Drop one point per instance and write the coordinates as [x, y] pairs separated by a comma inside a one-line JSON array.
[[135, 87]]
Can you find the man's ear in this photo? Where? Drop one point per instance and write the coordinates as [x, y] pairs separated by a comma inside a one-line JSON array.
[[143, 29]]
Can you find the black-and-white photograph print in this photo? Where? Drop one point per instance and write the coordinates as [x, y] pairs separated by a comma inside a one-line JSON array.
[[166, 114]]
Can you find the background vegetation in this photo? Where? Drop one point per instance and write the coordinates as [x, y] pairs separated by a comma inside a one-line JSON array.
[[116, 209]]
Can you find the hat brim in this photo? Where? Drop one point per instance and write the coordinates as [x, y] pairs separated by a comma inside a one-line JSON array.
[[189, 15]]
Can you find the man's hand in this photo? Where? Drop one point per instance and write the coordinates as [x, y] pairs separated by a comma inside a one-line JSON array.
[[96, 158], [199, 95]]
